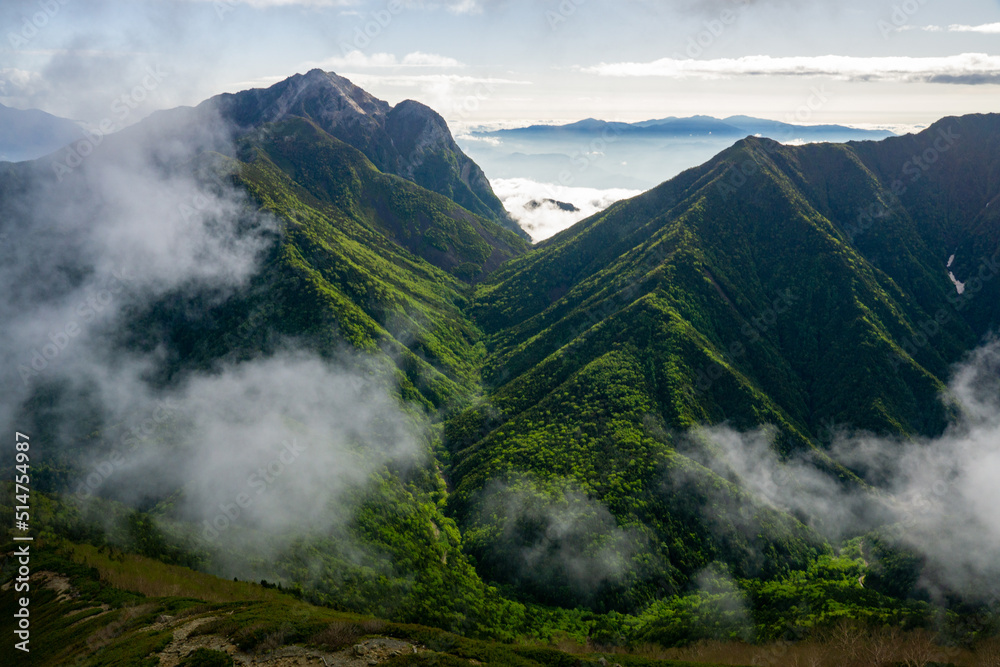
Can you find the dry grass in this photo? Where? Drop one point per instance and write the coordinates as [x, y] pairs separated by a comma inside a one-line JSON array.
[[155, 579], [988, 653], [272, 642], [341, 634], [115, 628], [571, 646], [224, 626], [193, 611], [844, 645]]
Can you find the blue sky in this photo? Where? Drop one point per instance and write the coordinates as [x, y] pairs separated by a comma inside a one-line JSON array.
[[894, 62]]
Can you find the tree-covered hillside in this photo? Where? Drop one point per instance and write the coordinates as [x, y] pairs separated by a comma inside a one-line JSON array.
[[802, 287], [500, 440]]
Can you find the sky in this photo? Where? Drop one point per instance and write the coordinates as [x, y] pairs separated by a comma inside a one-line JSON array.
[[893, 63]]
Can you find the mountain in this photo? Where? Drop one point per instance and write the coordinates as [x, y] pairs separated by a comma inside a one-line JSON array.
[[355, 229], [696, 126], [585, 126], [335, 375], [654, 121], [789, 131], [243, 240], [561, 205], [601, 154], [772, 285], [408, 140], [30, 133]]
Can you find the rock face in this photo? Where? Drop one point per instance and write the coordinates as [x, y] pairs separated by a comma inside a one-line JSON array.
[[535, 204], [409, 140]]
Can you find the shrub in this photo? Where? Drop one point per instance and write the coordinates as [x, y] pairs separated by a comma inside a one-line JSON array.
[[205, 657], [341, 634]]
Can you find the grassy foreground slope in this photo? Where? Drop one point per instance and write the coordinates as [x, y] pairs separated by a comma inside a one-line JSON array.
[[92, 608], [100, 607]]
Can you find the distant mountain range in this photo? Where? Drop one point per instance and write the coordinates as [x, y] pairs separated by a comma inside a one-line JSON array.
[[697, 126], [604, 154], [29, 134]]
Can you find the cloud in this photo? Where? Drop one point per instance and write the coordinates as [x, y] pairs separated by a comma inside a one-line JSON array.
[[939, 495], [288, 3], [414, 80], [489, 141], [454, 96], [385, 60], [147, 229], [963, 68], [986, 28], [273, 445], [534, 204], [550, 539], [455, 6], [89, 85], [113, 227], [20, 86], [419, 59], [795, 486], [465, 6]]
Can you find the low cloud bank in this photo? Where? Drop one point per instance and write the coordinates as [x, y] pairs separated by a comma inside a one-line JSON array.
[[940, 495], [544, 209]]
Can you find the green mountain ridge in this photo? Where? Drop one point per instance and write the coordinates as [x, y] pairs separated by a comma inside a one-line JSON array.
[[736, 293], [559, 487]]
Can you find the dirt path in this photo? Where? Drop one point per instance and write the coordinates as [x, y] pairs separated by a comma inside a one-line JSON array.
[[368, 653]]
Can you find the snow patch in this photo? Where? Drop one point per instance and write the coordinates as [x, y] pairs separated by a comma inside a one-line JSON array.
[[959, 286]]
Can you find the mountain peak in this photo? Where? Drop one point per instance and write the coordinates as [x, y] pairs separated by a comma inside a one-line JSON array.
[[326, 96], [409, 140]]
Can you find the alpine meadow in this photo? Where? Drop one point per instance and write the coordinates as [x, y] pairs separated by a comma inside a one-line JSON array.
[[295, 375]]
